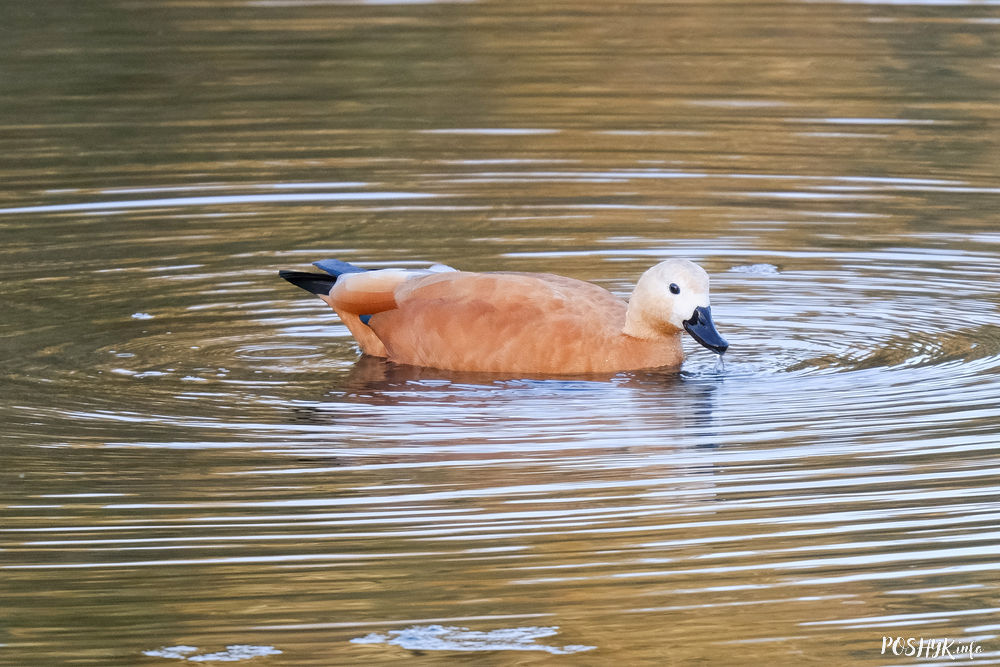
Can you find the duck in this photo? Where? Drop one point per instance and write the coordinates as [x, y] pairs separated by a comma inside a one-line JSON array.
[[517, 323]]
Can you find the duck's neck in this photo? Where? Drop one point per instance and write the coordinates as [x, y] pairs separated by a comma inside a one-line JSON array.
[[638, 325]]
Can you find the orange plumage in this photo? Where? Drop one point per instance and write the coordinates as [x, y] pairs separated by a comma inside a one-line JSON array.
[[525, 323]]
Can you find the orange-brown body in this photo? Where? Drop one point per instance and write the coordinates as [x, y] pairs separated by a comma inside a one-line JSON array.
[[524, 323]]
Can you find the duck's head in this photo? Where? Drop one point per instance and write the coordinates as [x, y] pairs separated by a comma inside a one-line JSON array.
[[672, 297]]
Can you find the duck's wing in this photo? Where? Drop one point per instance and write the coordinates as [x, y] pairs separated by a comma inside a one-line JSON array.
[[320, 283], [336, 267], [316, 283], [359, 291], [507, 322]]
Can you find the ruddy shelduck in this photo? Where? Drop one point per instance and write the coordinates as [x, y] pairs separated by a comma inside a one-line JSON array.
[[524, 323]]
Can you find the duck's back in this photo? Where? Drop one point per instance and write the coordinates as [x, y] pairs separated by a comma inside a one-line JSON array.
[[513, 322]]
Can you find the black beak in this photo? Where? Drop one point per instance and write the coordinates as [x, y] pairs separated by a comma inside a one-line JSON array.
[[702, 329]]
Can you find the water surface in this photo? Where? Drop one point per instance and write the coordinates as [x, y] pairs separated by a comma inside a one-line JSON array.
[[198, 468]]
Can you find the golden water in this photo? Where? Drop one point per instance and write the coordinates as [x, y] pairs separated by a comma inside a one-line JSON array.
[[194, 459]]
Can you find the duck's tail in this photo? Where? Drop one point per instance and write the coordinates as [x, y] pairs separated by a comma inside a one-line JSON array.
[[320, 283]]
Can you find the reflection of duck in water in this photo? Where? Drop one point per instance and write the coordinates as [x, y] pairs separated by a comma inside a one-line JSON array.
[[533, 323]]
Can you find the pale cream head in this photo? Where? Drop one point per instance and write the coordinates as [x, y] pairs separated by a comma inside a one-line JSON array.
[[665, 296]]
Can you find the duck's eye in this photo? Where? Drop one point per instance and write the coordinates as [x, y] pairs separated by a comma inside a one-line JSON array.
[[674, 289]]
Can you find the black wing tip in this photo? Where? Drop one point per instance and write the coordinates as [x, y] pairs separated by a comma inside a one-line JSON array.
[[316, 283]]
